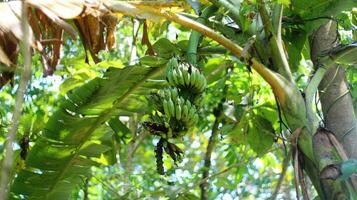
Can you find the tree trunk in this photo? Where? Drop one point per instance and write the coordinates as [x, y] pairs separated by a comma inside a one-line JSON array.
[[337, 108], [335, 97]]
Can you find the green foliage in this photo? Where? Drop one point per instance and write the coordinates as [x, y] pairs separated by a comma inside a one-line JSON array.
[[74, 135], [86, 134]]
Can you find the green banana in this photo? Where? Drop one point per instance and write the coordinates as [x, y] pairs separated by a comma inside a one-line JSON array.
[[201, 83], [182, 100], [174, 93], [178, 111], [171, 108], [192, 113], [188, 103], [175, 77], [166, 107], [186, 77], [172, 63], [180, 77], [166, 94], [193, 77], [170, 78], [198, 81], [178, 101], [184, 112]]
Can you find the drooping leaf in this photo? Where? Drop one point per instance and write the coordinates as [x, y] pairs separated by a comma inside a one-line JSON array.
[[75, 134]]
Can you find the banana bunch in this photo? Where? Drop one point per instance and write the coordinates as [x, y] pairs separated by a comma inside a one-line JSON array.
[[186, 76], [175, 108]]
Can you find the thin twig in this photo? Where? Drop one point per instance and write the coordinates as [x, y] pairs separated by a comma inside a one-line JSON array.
[[280, 125], [207, 164], [26, 75], [282, 175], [108, 186]]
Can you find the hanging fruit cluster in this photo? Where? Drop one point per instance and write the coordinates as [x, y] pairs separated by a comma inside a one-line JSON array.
[[175, 108]]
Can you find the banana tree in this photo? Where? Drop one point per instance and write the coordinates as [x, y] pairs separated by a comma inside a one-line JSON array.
[[270, 39], [276, 70]]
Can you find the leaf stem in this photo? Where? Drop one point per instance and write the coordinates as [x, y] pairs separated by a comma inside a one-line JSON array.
[[195, 36], [278, 55]]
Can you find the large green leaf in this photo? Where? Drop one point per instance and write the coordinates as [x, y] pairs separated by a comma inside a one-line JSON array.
[[76, 135], [316, 12], [321, 8]]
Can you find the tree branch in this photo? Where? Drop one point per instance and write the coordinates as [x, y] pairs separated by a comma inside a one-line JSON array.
[[26, 76]]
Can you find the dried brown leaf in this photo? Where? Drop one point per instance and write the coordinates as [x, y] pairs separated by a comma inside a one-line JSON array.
[[110, 22], [3, 57], [145, 40], [67, 9], [10, 20]]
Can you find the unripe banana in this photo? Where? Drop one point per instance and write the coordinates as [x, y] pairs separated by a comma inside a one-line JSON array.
[[178, 112], [167, 94], [174, 93], [186, 77], [165, 104], [188, 103], [170, 78], [193, 77], [180, 77], [182, 100], [178, 101], [171, 108], [175, 77], [198, 79], [185, 111], [173, 63], [201, 83], [192, 113]]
